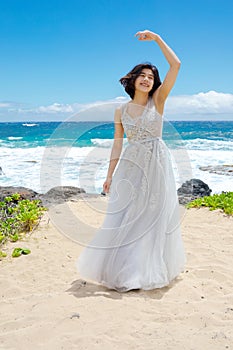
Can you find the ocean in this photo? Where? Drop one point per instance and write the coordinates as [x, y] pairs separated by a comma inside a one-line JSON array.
[[42, 155]]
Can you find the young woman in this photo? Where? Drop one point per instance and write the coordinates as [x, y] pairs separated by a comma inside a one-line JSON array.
[[139, 245]]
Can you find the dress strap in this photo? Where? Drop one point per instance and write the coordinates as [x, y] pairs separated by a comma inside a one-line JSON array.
[[151, 105], [123, 108]]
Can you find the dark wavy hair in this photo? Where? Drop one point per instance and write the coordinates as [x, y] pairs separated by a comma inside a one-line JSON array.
[[128, 81]]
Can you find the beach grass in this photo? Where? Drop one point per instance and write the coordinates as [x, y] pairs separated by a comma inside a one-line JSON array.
[[223, 201], [17, 218]]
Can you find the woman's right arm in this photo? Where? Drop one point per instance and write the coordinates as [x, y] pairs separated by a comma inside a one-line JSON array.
[[116, 149]]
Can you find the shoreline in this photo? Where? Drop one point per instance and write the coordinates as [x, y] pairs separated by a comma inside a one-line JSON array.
[[189, 190]]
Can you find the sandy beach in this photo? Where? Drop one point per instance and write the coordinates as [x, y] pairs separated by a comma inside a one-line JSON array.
[[45, 304]]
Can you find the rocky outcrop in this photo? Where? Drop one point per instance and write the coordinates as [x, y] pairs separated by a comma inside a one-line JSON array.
[[55, 195], [191, 190], [224, 169], [25, 193], [60, 194]]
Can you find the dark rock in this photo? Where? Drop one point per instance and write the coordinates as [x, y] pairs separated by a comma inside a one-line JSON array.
[[75, 315], [1, 171], [25, 193], [191, 190], [201, 190], [60, 194], [55, 195]]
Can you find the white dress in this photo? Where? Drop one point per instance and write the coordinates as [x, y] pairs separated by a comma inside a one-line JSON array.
[[139, 245]]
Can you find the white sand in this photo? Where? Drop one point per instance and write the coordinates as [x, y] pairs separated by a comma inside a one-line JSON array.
[[41, 292]]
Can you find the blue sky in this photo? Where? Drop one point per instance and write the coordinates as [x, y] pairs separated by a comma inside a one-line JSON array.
[[58, 56]]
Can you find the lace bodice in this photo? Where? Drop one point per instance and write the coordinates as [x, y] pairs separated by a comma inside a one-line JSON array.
[[145, 127]]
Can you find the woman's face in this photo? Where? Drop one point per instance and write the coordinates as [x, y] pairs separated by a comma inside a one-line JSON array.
[[145, 81]]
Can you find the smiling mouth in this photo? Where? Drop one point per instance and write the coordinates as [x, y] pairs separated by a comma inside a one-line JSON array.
[[143, 84]]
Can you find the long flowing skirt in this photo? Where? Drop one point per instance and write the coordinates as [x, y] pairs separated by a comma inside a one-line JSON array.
[[139, 245]]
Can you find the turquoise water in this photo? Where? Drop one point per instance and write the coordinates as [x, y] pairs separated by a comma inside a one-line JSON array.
[[26, 147], [84, 134]]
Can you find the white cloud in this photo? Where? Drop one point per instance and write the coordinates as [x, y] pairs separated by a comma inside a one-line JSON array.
[[10, 105], [211, 102], [55, 108], [97, 111], [204, 105], [4, 105]]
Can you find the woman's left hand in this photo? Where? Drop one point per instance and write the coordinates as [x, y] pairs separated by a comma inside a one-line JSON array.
[[146, 35]]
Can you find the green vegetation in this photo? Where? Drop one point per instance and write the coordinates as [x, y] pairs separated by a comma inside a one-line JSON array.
[[18, 251], [17, 218], [222, 201]]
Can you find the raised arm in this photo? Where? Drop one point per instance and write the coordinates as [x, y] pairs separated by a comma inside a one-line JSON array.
[[116, 149], [164, 89]]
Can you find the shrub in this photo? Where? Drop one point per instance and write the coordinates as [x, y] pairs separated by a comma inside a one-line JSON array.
[[18, 217], [223, 201]]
